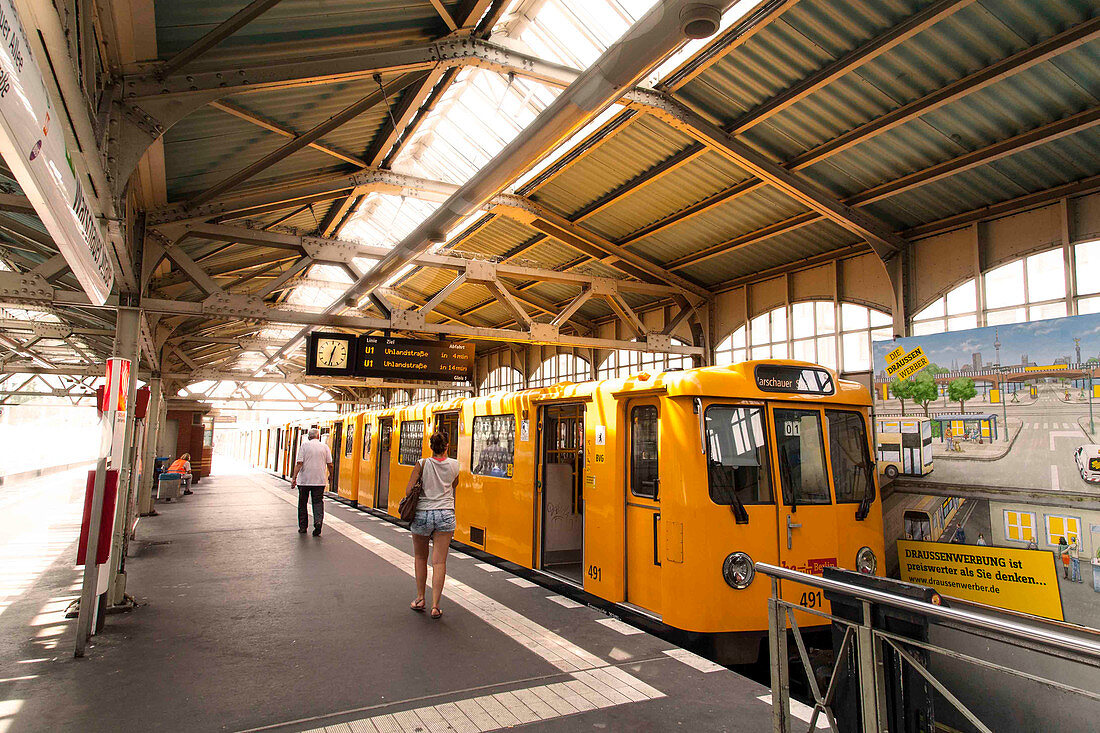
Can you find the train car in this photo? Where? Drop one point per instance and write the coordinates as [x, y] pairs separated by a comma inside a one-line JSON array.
[[346, 466], [658, 492], [916, 517]]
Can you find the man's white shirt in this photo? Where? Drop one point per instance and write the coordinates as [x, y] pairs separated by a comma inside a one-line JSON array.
[[314, 457]]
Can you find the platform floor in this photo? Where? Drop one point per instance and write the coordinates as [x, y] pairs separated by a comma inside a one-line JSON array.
[[246, 625]]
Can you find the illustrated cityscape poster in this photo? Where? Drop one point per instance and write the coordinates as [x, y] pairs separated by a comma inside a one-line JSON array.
[[1014, 408]]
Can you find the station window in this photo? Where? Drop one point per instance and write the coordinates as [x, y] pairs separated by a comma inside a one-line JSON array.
[[561, 368], [801, 450], [1068, 527], [732, 349], [851, 461], [643, 451], [366, 441], [1019, 526], [502, 379], [816, 331], [956, 311], [411, 447], [493, 445], [624, 362], [737, 456], [1086, 256]]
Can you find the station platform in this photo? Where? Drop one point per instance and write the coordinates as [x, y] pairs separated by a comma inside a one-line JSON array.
[[245, 624]]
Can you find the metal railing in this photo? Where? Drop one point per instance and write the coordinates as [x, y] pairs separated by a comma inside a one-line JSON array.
[[871, 640]]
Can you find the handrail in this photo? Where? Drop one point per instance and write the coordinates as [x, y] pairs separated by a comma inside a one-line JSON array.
[[1027, 632]]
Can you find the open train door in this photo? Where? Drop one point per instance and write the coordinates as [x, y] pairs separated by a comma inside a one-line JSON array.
[[382, 472], [807, 521], [643, 506], [561, 469]]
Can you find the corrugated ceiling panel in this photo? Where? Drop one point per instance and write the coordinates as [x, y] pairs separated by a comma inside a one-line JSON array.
[[672, 192], [295, 27], [734, 218], [814, 239], [630, 152]]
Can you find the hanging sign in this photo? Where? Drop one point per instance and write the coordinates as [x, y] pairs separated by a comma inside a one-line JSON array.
[[32, 143], [377, 356]]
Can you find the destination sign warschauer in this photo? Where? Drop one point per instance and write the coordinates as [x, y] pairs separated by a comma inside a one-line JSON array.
[[413, 359]]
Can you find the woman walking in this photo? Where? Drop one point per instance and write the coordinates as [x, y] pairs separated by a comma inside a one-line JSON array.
[[434, 520]]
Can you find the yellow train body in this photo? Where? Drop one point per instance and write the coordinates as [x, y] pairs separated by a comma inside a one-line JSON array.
[[616, 485]]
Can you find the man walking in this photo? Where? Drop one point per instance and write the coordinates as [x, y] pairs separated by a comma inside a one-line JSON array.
[[312, 473]]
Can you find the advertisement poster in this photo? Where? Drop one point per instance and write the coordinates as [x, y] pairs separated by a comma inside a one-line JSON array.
[[1019, 580], [1014, 409], [33, 145]]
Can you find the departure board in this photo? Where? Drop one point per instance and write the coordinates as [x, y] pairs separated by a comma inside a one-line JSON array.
[[377, 356]]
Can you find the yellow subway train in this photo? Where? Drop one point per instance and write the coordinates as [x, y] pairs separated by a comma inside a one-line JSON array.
[[656, 492]]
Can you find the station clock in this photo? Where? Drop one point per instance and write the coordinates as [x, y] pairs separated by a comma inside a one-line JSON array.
[[330, 354]]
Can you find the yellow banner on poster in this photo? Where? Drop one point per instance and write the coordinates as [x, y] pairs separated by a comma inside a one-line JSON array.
[[907, 365], [1009, 578]]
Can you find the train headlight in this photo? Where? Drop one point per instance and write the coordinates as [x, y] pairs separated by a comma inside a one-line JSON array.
[[866, 562], [738, 570]]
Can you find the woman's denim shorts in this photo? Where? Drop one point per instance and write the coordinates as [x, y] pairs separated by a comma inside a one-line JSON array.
[[433, 520]]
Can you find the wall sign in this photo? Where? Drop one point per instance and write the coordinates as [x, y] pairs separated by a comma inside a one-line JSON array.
[[378, 356], [33, 145]]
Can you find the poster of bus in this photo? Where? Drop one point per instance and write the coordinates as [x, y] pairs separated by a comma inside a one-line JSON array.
[[989, 436]]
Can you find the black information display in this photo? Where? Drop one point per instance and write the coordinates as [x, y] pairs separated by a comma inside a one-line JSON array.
[[377, 356], [804, 380]]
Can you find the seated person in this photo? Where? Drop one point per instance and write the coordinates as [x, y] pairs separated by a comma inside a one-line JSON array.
[[182, 466]]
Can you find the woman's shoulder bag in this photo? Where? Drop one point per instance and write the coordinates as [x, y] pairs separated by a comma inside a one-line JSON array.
[[407, 508]]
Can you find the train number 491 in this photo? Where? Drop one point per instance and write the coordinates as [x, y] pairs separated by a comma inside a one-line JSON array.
[[811, 599], [594, 572]]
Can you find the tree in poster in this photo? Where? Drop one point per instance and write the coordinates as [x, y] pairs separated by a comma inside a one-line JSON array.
[[960, 390], [924, 390], [902, 391]]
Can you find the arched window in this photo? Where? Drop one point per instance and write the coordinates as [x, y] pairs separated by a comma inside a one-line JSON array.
[[1031, 288], [502, 379], [814, 331], [378, 401], [561, 368], [624, 362], [956, 311], [424, 395], [732, 348], [450, 394], [399, 397]]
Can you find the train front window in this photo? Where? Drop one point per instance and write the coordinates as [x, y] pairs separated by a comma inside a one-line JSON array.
[[801, 451], [737, 456], [848, 452]]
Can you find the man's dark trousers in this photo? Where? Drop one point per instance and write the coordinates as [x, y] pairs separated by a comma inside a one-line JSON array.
[[304, 493]]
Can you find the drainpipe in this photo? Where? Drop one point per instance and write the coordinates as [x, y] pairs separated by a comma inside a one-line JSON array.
[[644, 45]]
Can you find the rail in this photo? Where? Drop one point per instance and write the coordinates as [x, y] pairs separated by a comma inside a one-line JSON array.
[[870, 642]]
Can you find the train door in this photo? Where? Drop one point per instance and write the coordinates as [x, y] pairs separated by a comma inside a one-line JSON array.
[[382, 475], [448, 423], [562, 502], [336, 447], [643, 506], [278, 449], [807, 522]]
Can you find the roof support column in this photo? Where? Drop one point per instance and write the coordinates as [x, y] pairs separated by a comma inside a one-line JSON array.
[[153, 422], [126, 347]]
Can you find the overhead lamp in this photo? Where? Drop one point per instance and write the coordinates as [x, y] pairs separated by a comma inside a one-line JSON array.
[[700, 21]]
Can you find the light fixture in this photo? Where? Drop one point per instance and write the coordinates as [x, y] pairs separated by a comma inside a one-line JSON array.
[[866, 562], [738, 570]]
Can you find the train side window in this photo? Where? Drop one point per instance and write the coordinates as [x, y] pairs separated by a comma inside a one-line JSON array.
[[737, 456], [349, 440], [493, 445], [643, 451], [410, 449], [801, 448], [852, 465], [366, 441]]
